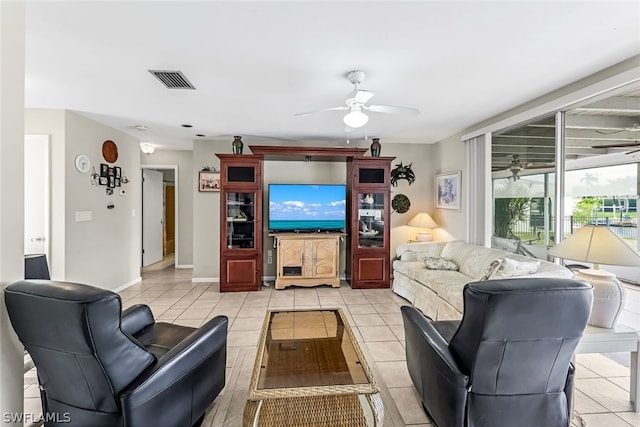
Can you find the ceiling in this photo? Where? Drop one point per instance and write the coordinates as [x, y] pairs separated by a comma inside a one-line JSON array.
[[255, 64]]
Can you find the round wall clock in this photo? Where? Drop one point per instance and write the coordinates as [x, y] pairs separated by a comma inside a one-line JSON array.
[[110, 151], [400, 203], [82, 162]]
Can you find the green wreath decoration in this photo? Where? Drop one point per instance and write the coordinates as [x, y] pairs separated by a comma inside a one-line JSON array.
[[400, 203]]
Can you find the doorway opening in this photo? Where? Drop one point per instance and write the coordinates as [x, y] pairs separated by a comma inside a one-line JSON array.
[[159, 217], [36, 195]]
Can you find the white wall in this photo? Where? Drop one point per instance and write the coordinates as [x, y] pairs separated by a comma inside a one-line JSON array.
[[12, 44], [105, 251], [184, 227]]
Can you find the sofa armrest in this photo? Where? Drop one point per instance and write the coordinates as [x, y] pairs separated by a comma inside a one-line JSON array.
[[195, 349], [136, 318]]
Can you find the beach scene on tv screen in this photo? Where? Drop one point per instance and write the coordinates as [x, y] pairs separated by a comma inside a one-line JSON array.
[[307, 207]]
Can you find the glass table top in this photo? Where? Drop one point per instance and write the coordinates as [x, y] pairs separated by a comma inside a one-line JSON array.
[[311, 348]]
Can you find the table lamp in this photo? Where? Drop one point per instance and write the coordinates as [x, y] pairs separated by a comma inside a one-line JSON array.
[[423, 220], [599, 245]]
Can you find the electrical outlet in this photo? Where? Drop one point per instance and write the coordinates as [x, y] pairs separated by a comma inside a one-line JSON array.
[[270, 260], [269, 253]]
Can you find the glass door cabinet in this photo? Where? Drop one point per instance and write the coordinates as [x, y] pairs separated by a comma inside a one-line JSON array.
[[368, 259], [240, 222]]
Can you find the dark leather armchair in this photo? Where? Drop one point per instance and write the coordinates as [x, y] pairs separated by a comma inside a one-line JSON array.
[[98, 366], [508, 362]]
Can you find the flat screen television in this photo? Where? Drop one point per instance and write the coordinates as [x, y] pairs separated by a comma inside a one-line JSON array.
[[307, 207]]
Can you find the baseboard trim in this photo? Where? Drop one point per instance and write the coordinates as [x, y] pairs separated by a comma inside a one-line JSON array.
[[205, 279], [126, 285], [183, 265]]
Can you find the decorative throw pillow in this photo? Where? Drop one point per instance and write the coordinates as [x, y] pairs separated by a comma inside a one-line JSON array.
[[435, 263], [512, 268], [493, 267]]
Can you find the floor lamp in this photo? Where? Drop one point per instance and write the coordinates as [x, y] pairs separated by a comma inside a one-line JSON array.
[[599, 245]]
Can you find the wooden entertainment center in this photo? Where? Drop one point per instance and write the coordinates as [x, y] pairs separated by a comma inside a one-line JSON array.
[[305, 259]]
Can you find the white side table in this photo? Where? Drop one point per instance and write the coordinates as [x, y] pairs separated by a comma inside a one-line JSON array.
[[618, 339]]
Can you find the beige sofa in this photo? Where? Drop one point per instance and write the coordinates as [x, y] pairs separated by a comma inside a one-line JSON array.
[[438, 293]]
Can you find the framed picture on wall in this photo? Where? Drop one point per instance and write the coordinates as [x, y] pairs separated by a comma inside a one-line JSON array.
[[104, 169], [209, 181], [447, 190]]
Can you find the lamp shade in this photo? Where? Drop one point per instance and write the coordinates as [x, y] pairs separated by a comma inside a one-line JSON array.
[[422, 220], [597, 245]]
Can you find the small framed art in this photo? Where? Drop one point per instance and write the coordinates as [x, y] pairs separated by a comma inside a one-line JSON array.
[[447, 190], [209, 181]]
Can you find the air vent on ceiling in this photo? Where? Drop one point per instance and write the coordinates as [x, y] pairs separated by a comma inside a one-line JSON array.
[[172, 79]]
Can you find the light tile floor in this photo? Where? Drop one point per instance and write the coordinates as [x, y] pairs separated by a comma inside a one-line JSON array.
[[602, 396]]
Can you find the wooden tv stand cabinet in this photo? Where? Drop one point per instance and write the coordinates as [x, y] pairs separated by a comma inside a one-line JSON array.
[[307, 259]]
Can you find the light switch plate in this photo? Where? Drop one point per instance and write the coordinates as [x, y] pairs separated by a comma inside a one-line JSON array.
[[84, 216]]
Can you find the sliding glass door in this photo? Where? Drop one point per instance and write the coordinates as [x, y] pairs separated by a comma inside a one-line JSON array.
[[523, 184], [599, 143]]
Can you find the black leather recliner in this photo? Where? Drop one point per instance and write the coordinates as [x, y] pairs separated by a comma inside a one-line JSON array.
[[98, 366], [508, 362]]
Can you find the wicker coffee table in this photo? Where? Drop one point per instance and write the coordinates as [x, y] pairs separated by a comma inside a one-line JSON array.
[[310, 371]]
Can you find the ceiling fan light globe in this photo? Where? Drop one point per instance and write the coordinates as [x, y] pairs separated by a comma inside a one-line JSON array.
[[356, 119], [147, 148]]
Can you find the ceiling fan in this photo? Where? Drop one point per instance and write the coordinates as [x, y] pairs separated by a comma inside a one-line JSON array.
[[356, 102], [517, 166]]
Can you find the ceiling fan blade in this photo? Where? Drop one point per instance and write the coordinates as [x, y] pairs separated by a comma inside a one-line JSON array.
[[392, 110], [540, 166], [324, 109], [362, 96], [604, 132], [624, 145]]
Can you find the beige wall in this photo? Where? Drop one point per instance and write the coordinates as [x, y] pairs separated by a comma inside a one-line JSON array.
[[105, 251], [448, 156], [206, 212]]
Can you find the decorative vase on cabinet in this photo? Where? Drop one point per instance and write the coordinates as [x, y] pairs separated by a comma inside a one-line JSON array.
[[376, 147], [237, 145]]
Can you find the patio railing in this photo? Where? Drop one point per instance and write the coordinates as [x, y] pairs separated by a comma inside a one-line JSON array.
[[532, 228]]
